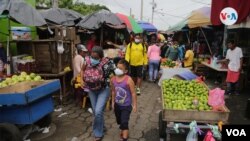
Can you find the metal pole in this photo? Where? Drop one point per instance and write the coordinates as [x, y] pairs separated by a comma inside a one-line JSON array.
[[224, 41], [55, 3], [8, 48], [206, 41], [130, 12], [153, 10], [141, 10]]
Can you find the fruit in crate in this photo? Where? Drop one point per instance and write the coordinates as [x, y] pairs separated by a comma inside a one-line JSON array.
[[185, 95], [168, 63], [23, 77]]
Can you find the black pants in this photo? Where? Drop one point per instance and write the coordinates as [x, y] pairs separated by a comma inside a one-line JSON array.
[[122, 114]]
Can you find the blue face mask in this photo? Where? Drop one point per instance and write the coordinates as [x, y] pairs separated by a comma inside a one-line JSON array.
[[94, 62]]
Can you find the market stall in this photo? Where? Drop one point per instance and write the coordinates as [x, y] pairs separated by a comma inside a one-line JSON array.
[[186, 106]]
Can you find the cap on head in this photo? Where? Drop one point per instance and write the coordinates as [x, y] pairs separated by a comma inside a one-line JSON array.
[[81, 47]]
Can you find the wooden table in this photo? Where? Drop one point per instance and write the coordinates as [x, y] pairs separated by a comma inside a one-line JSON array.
[[214, 68], [64, 81]]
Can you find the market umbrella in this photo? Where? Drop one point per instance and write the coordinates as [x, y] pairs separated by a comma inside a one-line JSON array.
[[147, 26], [130, 23], [98, 19], [199, 17], [61, 16], [22, 12]]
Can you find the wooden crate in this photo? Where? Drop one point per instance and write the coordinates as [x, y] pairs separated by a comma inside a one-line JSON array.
[[171, 115]]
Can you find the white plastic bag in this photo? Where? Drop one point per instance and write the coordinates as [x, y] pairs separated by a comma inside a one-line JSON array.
[[192, 135]]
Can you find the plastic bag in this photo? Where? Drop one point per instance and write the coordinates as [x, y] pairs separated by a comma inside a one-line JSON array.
[[192, 135], [216, 98], [209, 137]]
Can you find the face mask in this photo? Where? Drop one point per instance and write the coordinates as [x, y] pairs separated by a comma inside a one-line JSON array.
[[137, 41], [118, 72], [94, 62]]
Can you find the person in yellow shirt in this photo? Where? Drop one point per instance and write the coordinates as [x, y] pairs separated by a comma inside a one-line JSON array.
[[136, 55], [189, 58]]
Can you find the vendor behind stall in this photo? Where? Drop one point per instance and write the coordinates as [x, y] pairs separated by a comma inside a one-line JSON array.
[[91, 43], [172, 52], [3, 60], [189, 57]]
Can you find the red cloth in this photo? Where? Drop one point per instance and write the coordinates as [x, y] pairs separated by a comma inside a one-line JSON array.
[[232, 76], [90, 45], [241, 6]]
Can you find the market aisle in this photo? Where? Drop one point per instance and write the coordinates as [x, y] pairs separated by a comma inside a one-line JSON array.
[[143, 124]]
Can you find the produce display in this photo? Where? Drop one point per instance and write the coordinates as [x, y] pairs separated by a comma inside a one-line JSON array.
[[169, 64], [185, 95], [20, 78]]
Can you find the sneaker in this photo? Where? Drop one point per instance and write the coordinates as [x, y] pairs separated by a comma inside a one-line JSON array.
[[138, 91], [90, 110]]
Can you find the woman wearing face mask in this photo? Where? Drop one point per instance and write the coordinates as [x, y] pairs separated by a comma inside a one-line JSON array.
[[97, 72], [123, 97]]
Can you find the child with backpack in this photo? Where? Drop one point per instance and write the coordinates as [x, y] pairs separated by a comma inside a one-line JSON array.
[[123, 97]]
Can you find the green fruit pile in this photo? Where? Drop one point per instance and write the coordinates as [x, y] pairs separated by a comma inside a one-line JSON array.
[[169, 63], [20, 78], [185, 95]]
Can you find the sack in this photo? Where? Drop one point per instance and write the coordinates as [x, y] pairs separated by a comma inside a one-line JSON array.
[[192, 136], [209, 137], [216, 98], [94, 75]]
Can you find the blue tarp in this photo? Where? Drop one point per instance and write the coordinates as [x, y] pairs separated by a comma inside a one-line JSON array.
[[147, 26]]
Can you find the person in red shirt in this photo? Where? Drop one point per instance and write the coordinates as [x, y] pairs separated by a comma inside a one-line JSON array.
[[91, 43]]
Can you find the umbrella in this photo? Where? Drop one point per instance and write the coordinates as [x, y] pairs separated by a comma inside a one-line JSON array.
[[98, 19], [147, 26], [130, 23], [199, 17], [61, 16], [22, 12]]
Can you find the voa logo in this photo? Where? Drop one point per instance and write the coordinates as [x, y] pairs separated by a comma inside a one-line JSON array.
[[236, 132], [228, 16]]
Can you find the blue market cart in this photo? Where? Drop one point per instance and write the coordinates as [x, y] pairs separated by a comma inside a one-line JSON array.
[[26, 103]]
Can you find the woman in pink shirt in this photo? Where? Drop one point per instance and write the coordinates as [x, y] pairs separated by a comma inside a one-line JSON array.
[[154, 57]]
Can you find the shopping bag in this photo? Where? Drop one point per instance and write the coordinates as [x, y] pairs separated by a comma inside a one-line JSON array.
[[216, 98], [209, 137], [192, 135]]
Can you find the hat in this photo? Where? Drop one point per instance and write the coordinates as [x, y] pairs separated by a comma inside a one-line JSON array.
[[81, 47]]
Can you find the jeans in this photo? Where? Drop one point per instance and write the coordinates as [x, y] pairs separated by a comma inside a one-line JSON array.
[[153, 69], [98, 101], [232, 88]]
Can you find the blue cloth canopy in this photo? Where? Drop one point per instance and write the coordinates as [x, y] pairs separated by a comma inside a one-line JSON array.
[[147, 26]]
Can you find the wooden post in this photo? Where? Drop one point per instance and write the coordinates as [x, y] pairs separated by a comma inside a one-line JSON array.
[[206, 41]]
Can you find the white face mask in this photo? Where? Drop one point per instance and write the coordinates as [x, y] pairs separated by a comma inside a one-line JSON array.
[[137, 40], [118, 72]]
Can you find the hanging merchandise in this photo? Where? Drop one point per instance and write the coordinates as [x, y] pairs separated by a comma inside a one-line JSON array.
[[215, 131], [60, 48], [192, 134], [209, 136]]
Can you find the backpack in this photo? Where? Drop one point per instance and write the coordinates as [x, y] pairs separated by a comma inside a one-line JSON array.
[[94, 75]]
